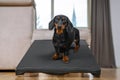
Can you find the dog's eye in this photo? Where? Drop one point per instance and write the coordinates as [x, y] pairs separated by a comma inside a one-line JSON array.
[[64, 21], [56, 20]]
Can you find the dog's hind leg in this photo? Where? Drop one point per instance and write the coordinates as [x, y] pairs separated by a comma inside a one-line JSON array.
[[76, 47], [77, 39]]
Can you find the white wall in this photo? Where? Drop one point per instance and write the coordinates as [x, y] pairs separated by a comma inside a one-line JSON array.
[[115, 21]]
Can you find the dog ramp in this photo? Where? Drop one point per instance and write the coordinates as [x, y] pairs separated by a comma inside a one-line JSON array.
[[39, 59]]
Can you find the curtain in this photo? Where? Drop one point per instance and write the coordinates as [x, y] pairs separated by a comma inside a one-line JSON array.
[[101, 35]]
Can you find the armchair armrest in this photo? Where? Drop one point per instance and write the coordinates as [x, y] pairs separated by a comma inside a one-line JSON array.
[[16, 2]]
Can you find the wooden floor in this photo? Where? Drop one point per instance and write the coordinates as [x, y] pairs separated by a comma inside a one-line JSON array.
[[106, 74]]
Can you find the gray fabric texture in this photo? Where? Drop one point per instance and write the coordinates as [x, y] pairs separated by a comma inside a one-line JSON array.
[[101, 35]]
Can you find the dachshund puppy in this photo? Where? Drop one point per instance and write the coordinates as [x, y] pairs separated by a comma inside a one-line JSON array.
[[65, 36]]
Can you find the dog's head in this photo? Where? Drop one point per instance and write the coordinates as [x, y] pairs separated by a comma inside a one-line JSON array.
[[60, 23]]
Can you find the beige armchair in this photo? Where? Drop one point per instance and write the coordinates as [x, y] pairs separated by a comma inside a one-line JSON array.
[[17, 20]]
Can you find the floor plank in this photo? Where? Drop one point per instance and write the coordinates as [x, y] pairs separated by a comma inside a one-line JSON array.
[[106, 74]]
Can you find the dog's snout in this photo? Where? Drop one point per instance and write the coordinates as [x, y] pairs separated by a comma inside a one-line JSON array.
[[60, 23], [59, 27]]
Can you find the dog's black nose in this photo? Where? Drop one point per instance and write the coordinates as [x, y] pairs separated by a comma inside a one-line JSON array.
[[59, 27]]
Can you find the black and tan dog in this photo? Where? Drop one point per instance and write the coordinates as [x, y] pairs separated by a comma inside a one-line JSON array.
[[64, 36]]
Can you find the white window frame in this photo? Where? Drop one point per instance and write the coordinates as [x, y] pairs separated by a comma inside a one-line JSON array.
[[88, 13]]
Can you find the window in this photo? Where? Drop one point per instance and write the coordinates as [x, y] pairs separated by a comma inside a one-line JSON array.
[[76, 10]]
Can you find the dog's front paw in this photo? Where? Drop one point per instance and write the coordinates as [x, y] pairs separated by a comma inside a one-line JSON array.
[[65, 59], [55, 56]]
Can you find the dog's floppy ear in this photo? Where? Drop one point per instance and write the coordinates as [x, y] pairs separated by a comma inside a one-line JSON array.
[[51, 24], [69, 25]]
